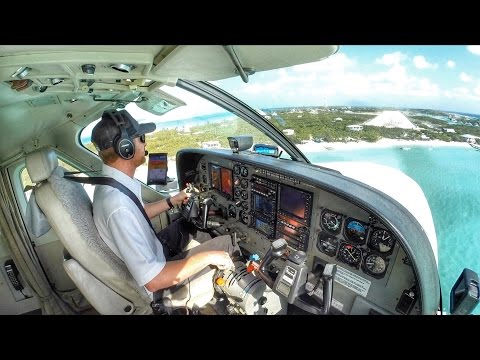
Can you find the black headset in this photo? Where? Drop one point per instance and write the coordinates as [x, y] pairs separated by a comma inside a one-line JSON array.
[[122, 143]]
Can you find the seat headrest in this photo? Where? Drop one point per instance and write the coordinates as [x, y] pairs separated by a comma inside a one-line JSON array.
[[41, 163]]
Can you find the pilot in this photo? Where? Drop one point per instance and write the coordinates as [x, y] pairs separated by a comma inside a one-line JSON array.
[[156, 261]]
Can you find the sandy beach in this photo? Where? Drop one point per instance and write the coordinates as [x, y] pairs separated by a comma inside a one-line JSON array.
[[382, 143]]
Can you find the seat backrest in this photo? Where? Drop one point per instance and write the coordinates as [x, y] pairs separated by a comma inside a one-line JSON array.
[[100, 275]]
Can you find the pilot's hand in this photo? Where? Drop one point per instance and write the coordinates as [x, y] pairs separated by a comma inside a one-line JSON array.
[[180, 198], [222, 260]]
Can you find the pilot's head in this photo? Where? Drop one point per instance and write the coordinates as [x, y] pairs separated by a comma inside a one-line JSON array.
[[118, 136]]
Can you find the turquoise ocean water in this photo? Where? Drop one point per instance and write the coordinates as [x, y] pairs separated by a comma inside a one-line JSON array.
[[450, 179]]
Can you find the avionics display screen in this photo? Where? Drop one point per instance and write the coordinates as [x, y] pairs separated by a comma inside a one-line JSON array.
[[221, 179], [294, 201], [215, 177], [227, 182], [262, 205], [263, 227]]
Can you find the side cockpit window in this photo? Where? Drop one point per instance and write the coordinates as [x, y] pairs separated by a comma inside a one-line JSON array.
[[27, 184]]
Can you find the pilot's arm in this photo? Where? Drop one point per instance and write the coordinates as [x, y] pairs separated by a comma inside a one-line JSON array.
[[158, 207]]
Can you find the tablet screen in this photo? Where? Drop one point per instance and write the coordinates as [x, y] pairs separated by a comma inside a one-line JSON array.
[[157, 169]]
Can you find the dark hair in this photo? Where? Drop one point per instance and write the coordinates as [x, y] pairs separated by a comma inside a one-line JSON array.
[[108, 156]]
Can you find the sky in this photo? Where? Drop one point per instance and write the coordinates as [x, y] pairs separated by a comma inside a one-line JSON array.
[[421, 76]]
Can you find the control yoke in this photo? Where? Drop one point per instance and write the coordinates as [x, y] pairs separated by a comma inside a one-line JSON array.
[[197, 212], [207, 204]]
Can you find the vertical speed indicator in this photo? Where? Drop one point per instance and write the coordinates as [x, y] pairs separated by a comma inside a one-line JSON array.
[[350, 254]]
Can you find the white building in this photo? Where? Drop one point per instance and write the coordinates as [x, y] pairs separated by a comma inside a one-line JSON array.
[[214, 144], [355, 127], [289, 132]]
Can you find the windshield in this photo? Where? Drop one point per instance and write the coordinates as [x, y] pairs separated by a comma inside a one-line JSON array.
[[414, 108]]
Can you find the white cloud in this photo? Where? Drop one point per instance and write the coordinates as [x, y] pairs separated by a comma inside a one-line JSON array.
[[340, 77], [474, 49], [391, 59], [421, 63], [451, 64], [465, 77], [334, 63]]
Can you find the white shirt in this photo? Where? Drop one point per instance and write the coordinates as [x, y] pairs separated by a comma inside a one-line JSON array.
[[125, 230]]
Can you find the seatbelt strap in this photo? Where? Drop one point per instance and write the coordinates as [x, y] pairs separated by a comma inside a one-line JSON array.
[[104, 180]]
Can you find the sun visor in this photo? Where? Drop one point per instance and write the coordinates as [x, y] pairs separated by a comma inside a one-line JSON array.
[[159, 102], [213, 62]]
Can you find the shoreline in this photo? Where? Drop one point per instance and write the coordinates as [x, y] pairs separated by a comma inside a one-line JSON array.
[[382, 143]]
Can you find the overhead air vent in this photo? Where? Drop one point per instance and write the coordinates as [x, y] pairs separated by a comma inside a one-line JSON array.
[[56, 81], [88, 69], [125, 68]]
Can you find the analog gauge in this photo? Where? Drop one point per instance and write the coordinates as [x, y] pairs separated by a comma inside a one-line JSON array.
[[244, 195], [244, 171], [350, 255], [204, 178], [382, 241], [232, 211], [356, 231], [203, 166], [245, 217], [236, 169], [245, 205], [375, 265], [244, 183], [237, 193], [236, 181], [327, 244], [331, 221]]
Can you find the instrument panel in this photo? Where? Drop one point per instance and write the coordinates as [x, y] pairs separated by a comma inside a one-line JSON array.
[[259, 205]]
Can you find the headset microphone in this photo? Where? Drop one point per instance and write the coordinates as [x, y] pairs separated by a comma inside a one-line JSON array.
[[146, 152]]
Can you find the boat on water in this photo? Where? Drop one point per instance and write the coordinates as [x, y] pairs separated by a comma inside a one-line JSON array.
[[350, 238], [475, 146]]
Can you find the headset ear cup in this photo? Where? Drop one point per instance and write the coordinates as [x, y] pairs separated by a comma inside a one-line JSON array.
[[122, 144], [126, 148]]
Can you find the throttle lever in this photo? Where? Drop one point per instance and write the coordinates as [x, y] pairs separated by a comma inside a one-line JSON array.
[[326, 279]]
